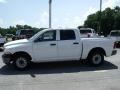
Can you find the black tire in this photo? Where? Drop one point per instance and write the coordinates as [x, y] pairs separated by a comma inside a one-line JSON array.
[[21, 62], [96, 58]]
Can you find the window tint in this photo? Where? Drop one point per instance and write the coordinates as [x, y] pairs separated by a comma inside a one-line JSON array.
[[115, 33], [25, 32], [67, 35], [0, 36], [85, 31], [17, 32], [48, 36]]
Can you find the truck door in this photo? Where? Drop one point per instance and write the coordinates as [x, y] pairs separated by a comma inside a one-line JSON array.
[[68, 46], [45, 47]]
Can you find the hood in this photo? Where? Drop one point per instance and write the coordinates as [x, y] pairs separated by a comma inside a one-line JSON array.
[[16, 42]]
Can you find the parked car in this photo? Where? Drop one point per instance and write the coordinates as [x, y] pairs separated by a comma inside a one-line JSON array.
[[87, 32], [2, 40], [57, 45], [115, 34], [9, 35], [23, 33]]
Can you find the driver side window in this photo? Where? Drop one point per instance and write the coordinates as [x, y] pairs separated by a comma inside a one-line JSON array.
[[48, 36]]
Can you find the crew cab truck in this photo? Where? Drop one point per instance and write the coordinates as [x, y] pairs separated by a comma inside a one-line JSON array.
[[51, 45]]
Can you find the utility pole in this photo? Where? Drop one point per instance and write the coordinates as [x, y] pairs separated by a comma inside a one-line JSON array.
[[100, 16], [100, 5], [50, 6]]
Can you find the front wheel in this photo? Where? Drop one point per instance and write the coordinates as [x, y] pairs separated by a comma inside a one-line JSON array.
[[96, 58], [21, 62]]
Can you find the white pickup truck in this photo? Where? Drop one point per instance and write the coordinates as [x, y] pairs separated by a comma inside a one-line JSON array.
[[87, 32], [51, 45]]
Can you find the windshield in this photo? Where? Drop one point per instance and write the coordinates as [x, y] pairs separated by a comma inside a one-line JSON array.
[[85, 31], [17, 32], [115, 33], [25, 32], [0, 36]]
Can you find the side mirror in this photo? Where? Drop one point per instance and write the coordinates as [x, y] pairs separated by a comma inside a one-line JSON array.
[[37, 40]]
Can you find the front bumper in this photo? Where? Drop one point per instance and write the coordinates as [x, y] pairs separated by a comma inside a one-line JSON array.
[[6, 58], [114, 52]]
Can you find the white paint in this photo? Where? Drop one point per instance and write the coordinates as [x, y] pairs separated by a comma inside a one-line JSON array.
[[100, 71], [62, 51]]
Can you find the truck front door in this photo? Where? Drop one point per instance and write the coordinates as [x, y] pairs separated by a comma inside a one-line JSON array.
[[45, 47]]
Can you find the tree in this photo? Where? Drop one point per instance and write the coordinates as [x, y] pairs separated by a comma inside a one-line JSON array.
[[92, 21], [110, 20], [117, 18], [13, 29], [19, 27], [27, 27]]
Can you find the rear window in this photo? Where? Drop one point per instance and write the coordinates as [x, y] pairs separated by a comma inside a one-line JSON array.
[[85, 31], [67, 35]]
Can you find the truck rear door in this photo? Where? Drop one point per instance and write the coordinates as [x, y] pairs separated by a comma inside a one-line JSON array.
[[68, 45]]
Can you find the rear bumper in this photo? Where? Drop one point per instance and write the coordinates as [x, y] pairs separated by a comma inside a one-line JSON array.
[[6, 58], [114, 52]]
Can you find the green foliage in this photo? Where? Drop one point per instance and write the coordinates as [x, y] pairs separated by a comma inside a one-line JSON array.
[[109, 20], [12, 29]]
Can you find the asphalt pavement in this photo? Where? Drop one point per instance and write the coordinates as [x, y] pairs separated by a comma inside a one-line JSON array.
[[62, 76]]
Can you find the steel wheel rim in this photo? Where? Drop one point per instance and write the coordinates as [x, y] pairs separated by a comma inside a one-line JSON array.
[[21, 62], [97, 59]]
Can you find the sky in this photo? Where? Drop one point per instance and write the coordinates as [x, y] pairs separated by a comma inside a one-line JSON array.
[[65, 13]]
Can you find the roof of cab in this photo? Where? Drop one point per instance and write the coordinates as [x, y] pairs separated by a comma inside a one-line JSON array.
[[115, 31], [61, 29]]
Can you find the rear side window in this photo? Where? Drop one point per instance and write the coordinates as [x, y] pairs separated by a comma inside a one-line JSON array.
[[85, 31], [67, 35]]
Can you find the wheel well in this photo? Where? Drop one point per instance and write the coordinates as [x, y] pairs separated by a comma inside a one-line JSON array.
[[22, 53], [98, 49]]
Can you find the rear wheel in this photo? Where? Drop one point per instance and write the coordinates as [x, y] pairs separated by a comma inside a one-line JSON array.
[[21, 62], [96, 58]]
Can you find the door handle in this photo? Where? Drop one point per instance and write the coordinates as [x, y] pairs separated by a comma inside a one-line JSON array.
[[75, 43], [52, 44]]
